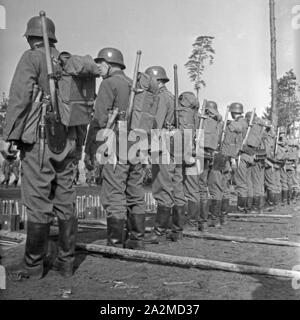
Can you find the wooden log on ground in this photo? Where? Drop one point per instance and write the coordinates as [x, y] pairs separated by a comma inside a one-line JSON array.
[[212, 236], [93, 221], [262, 215], [12, 235], [181, 261]]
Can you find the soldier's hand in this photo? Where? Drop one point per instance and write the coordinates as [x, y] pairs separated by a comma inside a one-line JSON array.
[[6, 148], [88, 162]]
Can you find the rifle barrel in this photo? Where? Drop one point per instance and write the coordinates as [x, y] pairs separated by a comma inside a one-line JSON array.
[[133, 87], [176, 95], [49, 61]]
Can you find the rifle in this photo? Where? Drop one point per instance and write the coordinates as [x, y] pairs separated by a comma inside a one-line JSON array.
[[224, 128], [56, 132], [247, 134], [276, 143], [201, 112], [42, 131], [133, 88], [176, 123]]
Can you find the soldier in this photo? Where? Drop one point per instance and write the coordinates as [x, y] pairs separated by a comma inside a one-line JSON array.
[[286, 166], [236, 132], [167, 186], [195, 185], [256, 175], [269, 141], [219, 173], [122, 193], [47, 192]]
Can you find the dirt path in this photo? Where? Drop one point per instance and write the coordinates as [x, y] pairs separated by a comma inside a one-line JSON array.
[[99, 277]]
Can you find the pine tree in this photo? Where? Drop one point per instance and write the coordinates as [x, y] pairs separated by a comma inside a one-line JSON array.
[[202, 54]]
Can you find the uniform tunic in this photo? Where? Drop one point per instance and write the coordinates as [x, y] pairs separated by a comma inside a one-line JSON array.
[[48, 192]]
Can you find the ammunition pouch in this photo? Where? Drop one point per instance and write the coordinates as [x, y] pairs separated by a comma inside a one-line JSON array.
[[260, 155], [56, 133], [248, 150], [219, 161]]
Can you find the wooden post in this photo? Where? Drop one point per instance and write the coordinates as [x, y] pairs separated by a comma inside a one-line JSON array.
[[211, 236], [274, 85], [182, 261]]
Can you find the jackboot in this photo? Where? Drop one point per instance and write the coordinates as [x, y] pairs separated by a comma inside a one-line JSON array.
[[249, 204], [64, 263], [161, 227], [270, 203], [192, 217], [136, 232], [215, 210], [115, 232], [288, 199], [176, 224], [202, 222], [284, 195], [35, 253], [224, 211], [242, 203]]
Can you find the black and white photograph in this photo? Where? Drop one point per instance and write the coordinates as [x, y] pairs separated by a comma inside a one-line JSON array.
[[149, 153]]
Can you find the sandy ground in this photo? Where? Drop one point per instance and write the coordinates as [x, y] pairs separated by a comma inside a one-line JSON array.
[[99, 277]]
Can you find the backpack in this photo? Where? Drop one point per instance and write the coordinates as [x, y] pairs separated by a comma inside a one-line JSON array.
[[76, 84], [232, 143], [255, 135], [212, 130], [145, 103]]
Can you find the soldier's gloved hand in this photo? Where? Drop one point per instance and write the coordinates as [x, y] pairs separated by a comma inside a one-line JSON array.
[[88, 162], [6, 148]]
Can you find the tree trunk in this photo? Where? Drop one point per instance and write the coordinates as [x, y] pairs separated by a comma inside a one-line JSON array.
[[274, 85]]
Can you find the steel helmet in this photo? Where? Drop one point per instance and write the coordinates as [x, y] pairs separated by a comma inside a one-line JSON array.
[[158, 73], [188, 99], [34, 28], [236, 107], [248, 115], [211, 105], [111, 55]]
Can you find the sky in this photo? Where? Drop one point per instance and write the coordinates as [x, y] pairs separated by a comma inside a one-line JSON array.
[[165, 30]]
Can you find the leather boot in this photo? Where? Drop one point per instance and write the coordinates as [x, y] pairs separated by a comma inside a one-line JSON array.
[[284, 195], [242, 204], [177, 223], [35, 253], [249, 204], [288, 199], [64, 263], [215, 210], [203, 216], [224, 211], [161, 225], [270, 203], [193, 215], [136, 231], [261, 204], [115, 232]]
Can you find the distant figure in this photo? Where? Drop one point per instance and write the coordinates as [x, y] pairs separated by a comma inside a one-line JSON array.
[[11, 164]]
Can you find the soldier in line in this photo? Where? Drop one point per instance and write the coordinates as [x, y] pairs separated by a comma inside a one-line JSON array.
[[240, 160], [122, 193], [271, 170], [167, 186], [256, 147], [194, 182], [290, 166], [281, 178], [217, 179], [48, 191]]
